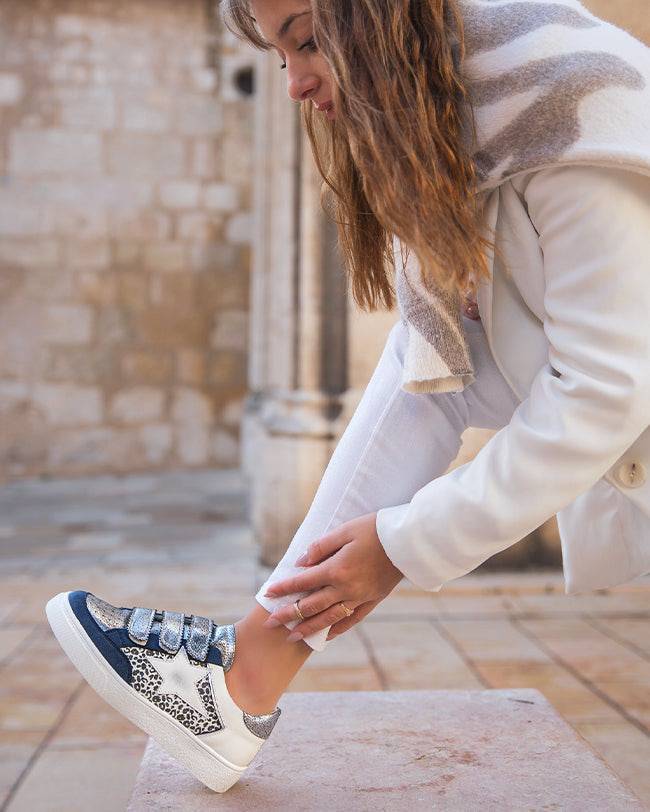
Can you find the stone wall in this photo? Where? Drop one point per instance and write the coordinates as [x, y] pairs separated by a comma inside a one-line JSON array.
[[125, 202]]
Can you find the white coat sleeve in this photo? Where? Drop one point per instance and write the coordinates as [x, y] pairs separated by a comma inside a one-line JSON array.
[[594, 232]]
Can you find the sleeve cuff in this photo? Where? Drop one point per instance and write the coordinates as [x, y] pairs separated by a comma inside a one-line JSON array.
[[388, 522]]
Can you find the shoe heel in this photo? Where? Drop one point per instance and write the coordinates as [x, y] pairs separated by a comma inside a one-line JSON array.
[[215, 775]]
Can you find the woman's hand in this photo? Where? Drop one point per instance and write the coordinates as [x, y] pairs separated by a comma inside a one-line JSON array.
[[349, 565]]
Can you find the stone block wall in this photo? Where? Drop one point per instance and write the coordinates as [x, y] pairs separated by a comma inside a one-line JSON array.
[[125, 197]]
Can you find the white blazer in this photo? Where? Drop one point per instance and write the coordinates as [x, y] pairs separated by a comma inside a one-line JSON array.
[[568, 323]]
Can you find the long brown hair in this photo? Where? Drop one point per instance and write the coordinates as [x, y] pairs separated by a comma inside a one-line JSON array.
[[397, 157]]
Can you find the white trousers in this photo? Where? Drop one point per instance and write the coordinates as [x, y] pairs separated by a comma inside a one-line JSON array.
[[395, 443]]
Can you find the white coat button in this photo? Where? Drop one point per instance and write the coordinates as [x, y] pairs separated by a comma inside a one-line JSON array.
[[630, 474]]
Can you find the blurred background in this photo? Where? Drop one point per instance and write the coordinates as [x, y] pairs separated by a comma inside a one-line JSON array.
[[169, 293], [179, 355]]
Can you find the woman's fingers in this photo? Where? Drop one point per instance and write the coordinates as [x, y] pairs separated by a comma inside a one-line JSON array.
[[322, 548], [310, 605], [322, 620], [348, 622], [310, 579]]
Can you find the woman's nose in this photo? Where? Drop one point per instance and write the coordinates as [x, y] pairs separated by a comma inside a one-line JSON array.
[[301, 88]]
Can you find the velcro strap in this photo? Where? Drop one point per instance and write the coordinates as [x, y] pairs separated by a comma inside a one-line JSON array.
[[139, 625], [199, 637], [224, 640], [171, 631]]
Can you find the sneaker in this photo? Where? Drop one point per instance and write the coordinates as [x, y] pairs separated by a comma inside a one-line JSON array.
[[165, 672]]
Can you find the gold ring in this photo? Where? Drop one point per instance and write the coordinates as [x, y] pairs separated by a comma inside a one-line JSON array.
[[346, 609], [296, 609]]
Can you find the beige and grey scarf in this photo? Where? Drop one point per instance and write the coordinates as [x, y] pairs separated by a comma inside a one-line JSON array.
[[550, 83]]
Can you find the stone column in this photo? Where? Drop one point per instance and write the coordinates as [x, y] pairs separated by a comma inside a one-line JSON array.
[[298, 367]]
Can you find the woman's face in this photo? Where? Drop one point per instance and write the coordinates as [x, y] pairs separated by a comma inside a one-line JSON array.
[[287, 25]]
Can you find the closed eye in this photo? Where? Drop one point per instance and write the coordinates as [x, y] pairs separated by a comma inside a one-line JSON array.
[[311, 44]]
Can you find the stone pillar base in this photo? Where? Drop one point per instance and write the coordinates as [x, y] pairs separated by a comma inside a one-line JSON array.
[[287, 441]]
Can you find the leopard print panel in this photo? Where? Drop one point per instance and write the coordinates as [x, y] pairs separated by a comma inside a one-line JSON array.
[[146, 681]]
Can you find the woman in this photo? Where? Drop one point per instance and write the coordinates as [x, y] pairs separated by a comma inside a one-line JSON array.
[[389, 89]]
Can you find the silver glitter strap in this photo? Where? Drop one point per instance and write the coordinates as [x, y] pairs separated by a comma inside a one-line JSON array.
[[224, 640], [171, 631], [199, 637], [139, 626]]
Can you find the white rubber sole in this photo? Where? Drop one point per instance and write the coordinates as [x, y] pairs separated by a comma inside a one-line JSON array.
[[208, 766]]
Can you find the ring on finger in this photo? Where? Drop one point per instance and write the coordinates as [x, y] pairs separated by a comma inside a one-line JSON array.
[[299, 615], [346, 609]]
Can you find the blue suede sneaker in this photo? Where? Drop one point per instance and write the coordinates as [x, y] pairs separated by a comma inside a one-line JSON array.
[[165, 672]]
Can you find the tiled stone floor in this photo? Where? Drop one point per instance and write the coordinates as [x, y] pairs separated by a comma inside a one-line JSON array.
[[180, 541]]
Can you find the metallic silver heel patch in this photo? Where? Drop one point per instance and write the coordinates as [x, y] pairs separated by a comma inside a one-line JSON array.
[[224, 639], [261, 724]]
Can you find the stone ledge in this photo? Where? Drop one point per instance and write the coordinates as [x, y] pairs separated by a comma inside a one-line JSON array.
[[378, 750]]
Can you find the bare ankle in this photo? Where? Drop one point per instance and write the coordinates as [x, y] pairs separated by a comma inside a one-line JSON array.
[[264, 663], [246, 689], [247, 696]]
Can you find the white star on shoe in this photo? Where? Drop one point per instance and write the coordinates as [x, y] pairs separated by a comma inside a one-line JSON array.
[[179, 677]]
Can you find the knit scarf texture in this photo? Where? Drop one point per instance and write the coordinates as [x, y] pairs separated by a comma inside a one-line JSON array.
[[550, 84]]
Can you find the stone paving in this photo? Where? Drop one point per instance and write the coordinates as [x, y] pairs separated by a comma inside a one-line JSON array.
[[181, 541], [373, 751]]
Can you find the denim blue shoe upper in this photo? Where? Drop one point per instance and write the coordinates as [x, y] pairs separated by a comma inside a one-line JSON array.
[[109, 648]]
